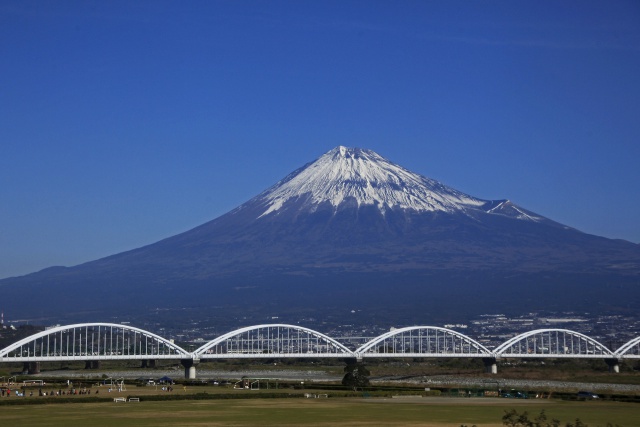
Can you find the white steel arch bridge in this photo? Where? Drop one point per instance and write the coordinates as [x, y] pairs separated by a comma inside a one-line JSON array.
[[273, 340], [92, 341], [95, 342], [422, 341]]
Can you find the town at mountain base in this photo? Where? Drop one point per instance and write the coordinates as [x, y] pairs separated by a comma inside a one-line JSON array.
[[351, 230]]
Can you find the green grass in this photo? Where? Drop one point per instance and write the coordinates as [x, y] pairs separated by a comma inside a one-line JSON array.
[[436, 412]]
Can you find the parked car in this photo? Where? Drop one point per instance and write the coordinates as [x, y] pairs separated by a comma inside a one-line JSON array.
[[519, 394], [587, 395]]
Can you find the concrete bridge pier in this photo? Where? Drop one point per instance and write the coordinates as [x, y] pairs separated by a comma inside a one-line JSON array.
[[490, 365], [189, 368], [614, 365], [31, 368]]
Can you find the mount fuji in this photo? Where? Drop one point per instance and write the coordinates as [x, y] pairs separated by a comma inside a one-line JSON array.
[[353, 230]]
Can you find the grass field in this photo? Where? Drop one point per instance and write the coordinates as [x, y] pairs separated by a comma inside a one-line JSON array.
[[224, 407], [426, 411]]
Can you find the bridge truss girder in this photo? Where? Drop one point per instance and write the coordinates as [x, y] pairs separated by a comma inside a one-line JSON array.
[[95, 341], [630, 350], [423, 341], [553, 343], [273, 341], [92, 341]]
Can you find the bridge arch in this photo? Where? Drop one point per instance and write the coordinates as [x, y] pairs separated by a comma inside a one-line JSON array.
[[630, 350], [272, 340], [92, 341], [421, 341], [553, 343]]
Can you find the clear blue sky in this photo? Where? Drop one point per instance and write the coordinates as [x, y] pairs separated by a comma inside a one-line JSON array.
[[122, 123]]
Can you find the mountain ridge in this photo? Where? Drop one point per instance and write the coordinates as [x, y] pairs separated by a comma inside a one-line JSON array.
[[351, 220]]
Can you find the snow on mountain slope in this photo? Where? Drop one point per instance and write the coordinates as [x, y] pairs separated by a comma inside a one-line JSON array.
[[364, 176]]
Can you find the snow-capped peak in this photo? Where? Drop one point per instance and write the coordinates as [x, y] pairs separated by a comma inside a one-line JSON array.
[[355, 174]]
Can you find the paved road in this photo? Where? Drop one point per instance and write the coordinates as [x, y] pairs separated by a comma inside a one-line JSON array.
[[203, 374], [507, 384], [314, 375]]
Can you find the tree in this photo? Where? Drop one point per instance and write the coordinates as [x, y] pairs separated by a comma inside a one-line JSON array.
[[541, 421], [356, 375], [513, 419]]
